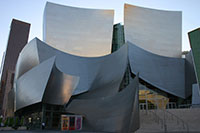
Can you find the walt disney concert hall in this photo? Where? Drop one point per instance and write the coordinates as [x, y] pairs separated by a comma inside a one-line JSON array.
[[86, 73]]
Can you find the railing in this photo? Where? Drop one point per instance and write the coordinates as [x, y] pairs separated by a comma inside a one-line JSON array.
[[185, 106], [172, 116], [157, 119], [166, 114], [163, 121], [171, 105]]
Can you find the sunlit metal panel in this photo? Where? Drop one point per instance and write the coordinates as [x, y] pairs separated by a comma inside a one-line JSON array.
[[70, 74], [28, 58], [156, 31], [30, 86], [60, 87], [78, 31], [93, 71]]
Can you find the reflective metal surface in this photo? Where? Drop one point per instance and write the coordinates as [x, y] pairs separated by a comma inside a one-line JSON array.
[[109, 113], [60, 87], [30, 87], [165, 73], [65, 74], [78, 31], [135, 117], [190, 78], [195, 95], [156, 31], [28, 58]]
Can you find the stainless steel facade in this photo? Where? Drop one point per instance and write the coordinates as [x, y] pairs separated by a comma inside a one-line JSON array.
[[82, 73], [195, 95], [165, 73], [30, 87], [53, 77], [156, 31], [56, 73], [190, 78], [109, 113], [78, 31]]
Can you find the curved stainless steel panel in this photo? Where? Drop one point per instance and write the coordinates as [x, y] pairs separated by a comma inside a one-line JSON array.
[[190, 77], [28, 58], [89, 73], [107, 69], [167, 74], [107, 114], [135, 117], [60, 87], [78, 31], [156, 31], [31, 86]]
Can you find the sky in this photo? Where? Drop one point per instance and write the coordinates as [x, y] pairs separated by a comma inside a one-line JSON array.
[[31, 11]]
